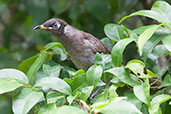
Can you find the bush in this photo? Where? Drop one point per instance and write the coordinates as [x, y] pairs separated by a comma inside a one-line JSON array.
[[137, 86]]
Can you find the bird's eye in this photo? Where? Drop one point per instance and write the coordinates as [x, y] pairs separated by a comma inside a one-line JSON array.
[[55, 25]]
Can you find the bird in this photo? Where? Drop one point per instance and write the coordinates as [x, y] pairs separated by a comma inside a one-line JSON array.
[[81, 46]]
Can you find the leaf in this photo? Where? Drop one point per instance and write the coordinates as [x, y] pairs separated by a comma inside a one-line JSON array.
[[167, 42], [123, 75], [156, 101], [93, 75], [8, 85], [13, 74], [71, 98], [159, 50], [24, 65], [52, 45], [54, 83], [142, 92], [114, 32], [142, 39], [137, 67], [85, 92], [166, 82], [25, 100], [104, 60], [78, 82], [120, 107], [149, 45], [47, 108], [67, 110], [118, 49], [53, 71], [36, 66], [54, 97]]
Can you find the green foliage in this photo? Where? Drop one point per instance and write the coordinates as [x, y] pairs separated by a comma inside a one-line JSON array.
[[45, 85]]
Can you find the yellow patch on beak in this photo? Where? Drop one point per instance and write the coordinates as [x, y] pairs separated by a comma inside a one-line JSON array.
[[42, 27]]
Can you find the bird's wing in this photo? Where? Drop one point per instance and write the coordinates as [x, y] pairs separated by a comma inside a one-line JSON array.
[[98, 46]]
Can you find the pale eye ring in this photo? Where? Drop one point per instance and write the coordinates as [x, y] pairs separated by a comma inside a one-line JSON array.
[[55, 25]]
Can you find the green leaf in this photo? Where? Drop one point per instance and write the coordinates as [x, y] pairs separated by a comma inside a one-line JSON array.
[[36, 66], [118, 49], [159, 50], [120, 107], [156, 101], [114, 32], [54, 97], [159, 11], [78, 82], [24, 65], [47, 108], [71, 98], [52, 45], [104, 60], [51, 71], [142, 39], [167, 42], [166, 82], [123, 75], [93, 75], [25, 100], [54, 83], [149, 45], [8, 85], [67, 110], [112, 92], [142, 92], [137, 67], [85, 92], [13, 74]]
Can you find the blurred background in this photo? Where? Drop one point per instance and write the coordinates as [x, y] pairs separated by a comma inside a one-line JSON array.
[[18, 17]]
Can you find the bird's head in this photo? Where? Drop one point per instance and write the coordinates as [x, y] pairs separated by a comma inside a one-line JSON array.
[[55, 26]]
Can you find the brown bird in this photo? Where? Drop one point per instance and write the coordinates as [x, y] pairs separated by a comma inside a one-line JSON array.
[[81, 46]]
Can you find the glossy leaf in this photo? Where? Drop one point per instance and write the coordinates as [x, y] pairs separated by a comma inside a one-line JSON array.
[[8, 85], [13, 74], [156, 101], [123, 75], [67, 110], [93, 75], [142, 92], [47, 108], [54, 97], [51, 71], [52, 45], [85, 92], [166, 82], [104, 60], [78, 82], [120, 107], [114, 32], [167, 42], [142, 39], [25, 100], [24, 65], [118, 49], [36, 66], [149, 45], [55, 83]]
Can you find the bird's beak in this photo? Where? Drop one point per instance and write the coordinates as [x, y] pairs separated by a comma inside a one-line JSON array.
[[40, 27]]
